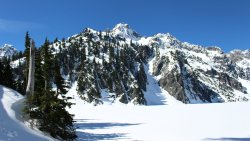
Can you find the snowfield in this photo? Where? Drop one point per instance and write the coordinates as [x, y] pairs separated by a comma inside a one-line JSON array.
[[177, 122], [174, 122]]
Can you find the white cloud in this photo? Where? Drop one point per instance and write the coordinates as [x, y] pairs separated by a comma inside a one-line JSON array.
[[16, 26]]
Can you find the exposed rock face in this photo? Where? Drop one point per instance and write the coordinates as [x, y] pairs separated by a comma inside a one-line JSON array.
[[193, 74]]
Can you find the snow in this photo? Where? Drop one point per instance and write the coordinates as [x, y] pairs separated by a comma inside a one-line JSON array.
[[7, 50], [244, 63], [16, 63], [123, 30], [11, 129], [155, 95], [163, 119], [246, 84], [191, 122], [177, 122]]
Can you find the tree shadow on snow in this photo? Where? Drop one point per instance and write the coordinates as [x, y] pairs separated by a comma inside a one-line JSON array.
[[228, 139], [81, 125], [84, 136]]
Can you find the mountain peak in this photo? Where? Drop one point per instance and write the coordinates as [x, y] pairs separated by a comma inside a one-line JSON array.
[[124, 31], [7, 50], [7, 46], [121, 26]]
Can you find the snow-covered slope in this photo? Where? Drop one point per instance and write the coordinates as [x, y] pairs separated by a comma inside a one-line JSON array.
[[7, 50], [181, 122], [12, 129]]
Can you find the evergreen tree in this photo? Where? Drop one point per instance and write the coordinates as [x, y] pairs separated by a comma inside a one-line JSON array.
[[111, 53], [1, 72], [59, 81], [137, 95], [8, 79], [26, 54], [39, 79], [142, 77], [47, 65], [93, 91], [27, 46], [19, 86], [45, 106], [81, 85]]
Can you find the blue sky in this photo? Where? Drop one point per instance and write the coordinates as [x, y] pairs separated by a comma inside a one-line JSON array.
[[224, 23]]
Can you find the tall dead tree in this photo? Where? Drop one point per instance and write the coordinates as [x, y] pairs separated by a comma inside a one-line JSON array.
[[31, 80]]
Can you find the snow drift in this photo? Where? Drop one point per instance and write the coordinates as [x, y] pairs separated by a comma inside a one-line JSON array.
[[12, 129]]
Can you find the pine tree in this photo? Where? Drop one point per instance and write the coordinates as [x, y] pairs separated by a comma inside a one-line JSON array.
[[111, 53], [142, 77], [138, 95], [19, 86], [59, 81], [27, 46], [26, 54], [81, 85], [8, 79], [39, 79], [47, 65], [45, 106], [1, 72]]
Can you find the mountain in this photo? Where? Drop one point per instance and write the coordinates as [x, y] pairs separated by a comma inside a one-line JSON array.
[[7, 50], [122, 66]]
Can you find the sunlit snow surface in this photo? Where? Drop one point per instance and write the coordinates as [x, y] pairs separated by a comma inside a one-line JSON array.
[[172, 122], [11, 129], [164, 119], [177, 122]]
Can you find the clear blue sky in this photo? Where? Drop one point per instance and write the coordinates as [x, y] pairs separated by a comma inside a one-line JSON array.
[[224, 23]]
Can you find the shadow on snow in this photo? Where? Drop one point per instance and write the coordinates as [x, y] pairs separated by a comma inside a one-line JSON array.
[[81, 125], [228, 139]]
